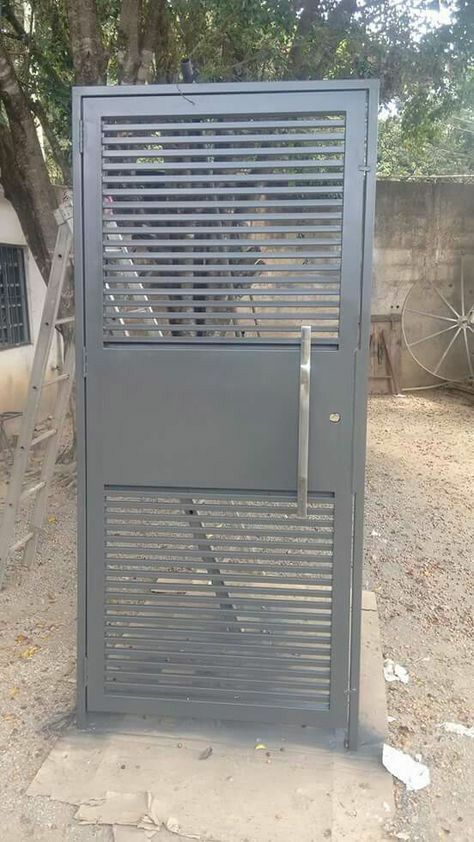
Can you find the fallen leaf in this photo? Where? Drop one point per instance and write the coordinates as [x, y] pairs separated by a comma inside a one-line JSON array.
[[205, 753], [29, 652], [260, 747], [52, 519], [21, 638], [14, 692]]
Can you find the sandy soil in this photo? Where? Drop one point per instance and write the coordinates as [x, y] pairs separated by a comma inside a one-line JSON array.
[[418, 560], [419, 556]]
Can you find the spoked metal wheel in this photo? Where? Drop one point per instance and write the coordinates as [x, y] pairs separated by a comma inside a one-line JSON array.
[[438, 327]]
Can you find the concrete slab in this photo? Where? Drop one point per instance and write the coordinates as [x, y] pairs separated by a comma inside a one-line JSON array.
[[146, 778]]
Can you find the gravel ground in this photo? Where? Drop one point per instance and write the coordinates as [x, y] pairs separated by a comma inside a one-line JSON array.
[[418, 552]]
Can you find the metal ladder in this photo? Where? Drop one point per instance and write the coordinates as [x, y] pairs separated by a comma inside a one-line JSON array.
[[16, 493]]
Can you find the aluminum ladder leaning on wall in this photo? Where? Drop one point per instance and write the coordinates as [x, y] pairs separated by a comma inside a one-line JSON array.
[[16, 493]]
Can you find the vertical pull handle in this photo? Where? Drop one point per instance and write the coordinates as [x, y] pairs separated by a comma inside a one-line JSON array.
[[303, 420]]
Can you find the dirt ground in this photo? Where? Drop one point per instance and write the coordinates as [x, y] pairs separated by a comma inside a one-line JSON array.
[[419, 527]]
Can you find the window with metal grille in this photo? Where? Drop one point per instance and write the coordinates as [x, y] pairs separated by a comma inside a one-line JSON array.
[[14, 328]]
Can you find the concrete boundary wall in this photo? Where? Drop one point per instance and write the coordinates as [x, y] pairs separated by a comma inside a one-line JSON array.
[[421, 231]]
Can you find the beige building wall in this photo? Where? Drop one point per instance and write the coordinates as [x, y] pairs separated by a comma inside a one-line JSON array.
[[15, 363]]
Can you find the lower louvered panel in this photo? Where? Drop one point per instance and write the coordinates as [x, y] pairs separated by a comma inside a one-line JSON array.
[[218, 598]]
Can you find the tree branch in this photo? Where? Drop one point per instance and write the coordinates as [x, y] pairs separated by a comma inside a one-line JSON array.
[[88, 54], [58, 153], [26, 158], [25, 38]]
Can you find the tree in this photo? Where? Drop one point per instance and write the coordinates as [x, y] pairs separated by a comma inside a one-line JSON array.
[[47, 45]]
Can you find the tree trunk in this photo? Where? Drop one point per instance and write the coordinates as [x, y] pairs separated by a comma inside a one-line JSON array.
[[88, 55], [128, 47], [297, 59], [23, 169], [152, 22]]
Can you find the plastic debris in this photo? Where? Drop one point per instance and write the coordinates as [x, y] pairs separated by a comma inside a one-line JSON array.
[[413, 774], [173, 826], [458, 728], [375, 534], [395, 672]]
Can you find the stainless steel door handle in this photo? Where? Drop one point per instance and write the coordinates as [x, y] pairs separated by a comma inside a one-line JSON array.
[[303, 420]]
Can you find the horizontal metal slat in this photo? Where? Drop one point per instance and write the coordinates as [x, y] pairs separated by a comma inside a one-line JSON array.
[[198, 141], [244, 624], [129, 151], [150, 583], [241, 518], [230, 501], [143, 542], [227, 202], [220, 524], [322, 569], [160, 329], [235, 240], [259, 179], [161, 631], [256, 160], [162, 650], [285, 667], [318, 297], [205, 315], [216, 267], [287, 191], [217, 544], [123, 339], [314, 677], [185, 553], [243, 282], [111, 253], [241, 638], [212, 122], [251, 576], [137, 541], [219, 606], [290, 683], [237, 220], [195, 690], [233, 230]]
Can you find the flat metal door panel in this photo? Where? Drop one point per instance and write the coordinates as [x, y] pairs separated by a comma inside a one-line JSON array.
[[218, 419], [213, 222]]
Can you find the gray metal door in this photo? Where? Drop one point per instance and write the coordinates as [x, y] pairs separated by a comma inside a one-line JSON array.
[[213, 223]]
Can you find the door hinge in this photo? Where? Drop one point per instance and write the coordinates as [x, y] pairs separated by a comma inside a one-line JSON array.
[[81, 136], [85, 671], [364, 168], [84, 362]]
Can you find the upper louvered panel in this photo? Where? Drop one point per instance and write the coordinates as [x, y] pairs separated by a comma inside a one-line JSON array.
[[221, 597], [226, 230]]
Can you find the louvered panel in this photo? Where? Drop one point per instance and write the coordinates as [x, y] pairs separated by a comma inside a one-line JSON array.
[[218, 597], [226, 230]]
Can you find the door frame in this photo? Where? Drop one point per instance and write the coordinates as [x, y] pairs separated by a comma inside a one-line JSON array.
[[370, 88]]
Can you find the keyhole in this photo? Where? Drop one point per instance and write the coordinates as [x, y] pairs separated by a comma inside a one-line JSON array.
[[335, 417]]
